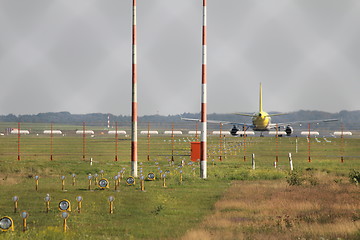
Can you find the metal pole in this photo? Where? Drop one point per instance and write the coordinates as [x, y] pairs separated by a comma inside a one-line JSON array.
[[116, 141], [18, 141], [203, 143], [134, 150]]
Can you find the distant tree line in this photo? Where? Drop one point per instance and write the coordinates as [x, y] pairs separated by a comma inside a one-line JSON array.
[[350, 119]]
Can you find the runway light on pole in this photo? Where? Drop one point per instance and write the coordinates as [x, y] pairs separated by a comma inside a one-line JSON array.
[[24, 215], [6, 223], [36, 182], [164, 180], [73, 179], [142, 183], [65, 216], [79, 201], [15, 199], [96, 178], [89, 177], [47, 202], [111, 200], [62, 183]]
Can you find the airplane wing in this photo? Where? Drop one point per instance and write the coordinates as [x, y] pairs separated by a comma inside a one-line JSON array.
[[304, 122], [218, 122]]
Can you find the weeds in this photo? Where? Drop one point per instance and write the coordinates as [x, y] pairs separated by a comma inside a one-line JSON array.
[[354, 177], [293, 179]]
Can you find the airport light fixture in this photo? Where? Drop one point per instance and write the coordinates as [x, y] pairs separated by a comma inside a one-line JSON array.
[[142, 183], [111, 200], [79, 201], [36, 182], [102, 173], [47, 202], [24, 215], [151, 176], [6, 224], [89, 178], [15, 200], [62, 183], [73, 179], [64, 205], [130, 181], [116, 180], [103, 183], [96, 178], [65, 216]]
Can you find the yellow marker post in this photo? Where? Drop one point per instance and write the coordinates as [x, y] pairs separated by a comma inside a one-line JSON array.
[[111, 200], [79, 200], [36, 182], [24, 216]]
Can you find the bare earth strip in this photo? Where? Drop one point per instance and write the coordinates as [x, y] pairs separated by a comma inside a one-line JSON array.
[[326, 209]]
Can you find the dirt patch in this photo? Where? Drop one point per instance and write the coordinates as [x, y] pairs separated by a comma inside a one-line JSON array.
[[9, 179], [274, 210]]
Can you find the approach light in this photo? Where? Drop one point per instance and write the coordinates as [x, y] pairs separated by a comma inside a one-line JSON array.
[[73, 179], [130, 181], [47, 202], [64, 205], [111, 200], [116, 182], [79, 200], [24, 215], [6, 223], [151, 176], [62, 183], [15, 199], [36, 182], [103, 183], [96, 178], [65, 216]]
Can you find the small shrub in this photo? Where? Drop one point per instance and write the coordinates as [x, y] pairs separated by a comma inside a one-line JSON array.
[[293, 179], [354, 176]]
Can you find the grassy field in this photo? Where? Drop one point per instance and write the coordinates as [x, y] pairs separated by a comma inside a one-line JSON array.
[[257, 202]]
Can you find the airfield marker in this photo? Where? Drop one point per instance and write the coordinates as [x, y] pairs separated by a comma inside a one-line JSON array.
[[62, 183], [244, 142], [47, 202], [89, 177], [253, 161], [142, 183], [15, 199], [18, 158], [24, 216], [111, 200], [203, 143], [84, 142], [342, 143], [221, 143], [79, 200], [51, 142], [291, 162], [65, 216], [134, 150], [36, 182], [309, 157], [148, 141], [277, 143], [73, 179], [116, 141]]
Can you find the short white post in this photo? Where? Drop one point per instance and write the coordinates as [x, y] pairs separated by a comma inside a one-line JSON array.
[[253, 161], [91, 162], [291, 162], [296, 145], [275, 164]]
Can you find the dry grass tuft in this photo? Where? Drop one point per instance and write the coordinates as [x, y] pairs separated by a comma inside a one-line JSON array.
[[274, 210]]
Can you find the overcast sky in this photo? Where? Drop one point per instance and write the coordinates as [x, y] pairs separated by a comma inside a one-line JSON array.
[[75, 55]]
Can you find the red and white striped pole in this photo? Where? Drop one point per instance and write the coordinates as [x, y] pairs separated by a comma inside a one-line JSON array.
[[134, 153], [203, 145]]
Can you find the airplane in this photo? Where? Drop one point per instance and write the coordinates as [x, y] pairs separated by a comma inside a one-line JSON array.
[[261, 121]]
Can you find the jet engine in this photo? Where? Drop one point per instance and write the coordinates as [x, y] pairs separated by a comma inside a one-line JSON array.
[[289, 130], [234, 130]]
